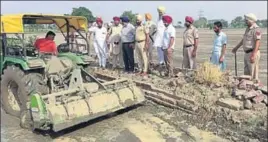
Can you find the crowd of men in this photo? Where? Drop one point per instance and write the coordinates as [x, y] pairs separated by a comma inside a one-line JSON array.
[[124, 42]]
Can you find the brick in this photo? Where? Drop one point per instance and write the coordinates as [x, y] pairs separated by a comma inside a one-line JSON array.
[[238, 92], [258, 99], [247, 104], [230, 103], [246, 77], [251, 94], [264, 90], [245, 84]]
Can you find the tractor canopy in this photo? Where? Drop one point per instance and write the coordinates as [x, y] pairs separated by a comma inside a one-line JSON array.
[[14, 23]]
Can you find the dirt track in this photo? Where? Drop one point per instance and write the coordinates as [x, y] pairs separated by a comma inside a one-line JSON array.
[[157, 123]]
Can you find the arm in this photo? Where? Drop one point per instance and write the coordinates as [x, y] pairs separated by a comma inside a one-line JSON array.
[[172, 38], [108, 34], [196, 36], [223, 50], [257, 37], [147, 39], [55, 50]]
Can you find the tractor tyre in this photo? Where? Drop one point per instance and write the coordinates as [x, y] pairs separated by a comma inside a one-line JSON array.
[[22, 84]]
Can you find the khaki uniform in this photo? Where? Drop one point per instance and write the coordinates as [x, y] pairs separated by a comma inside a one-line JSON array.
[[249, 40], [115, 49], [142, 54], [189, 35], [152, 28]]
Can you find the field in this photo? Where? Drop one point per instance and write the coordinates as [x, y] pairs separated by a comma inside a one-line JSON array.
[[149, 122]]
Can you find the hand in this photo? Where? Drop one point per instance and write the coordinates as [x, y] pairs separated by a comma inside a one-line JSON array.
[[131, 45], [234, 50], [221, 59], [252, 58], [169, 50], [194, 53]]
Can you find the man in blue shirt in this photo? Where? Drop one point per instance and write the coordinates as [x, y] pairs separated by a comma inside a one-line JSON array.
[[219, 47]]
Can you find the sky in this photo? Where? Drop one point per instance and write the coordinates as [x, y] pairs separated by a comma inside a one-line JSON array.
[[227, 10]]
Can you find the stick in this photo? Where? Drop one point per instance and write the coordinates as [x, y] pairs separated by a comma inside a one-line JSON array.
[[235, 65]]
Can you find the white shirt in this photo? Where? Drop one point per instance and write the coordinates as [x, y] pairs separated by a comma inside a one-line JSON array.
[[99, 33], [169, 32], [158, 42]]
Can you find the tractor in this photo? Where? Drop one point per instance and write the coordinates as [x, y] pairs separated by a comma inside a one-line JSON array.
[[48, 92]]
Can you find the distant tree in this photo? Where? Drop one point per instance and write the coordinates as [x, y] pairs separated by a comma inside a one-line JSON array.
[[238, 22], [201, 22], [131, 16], [262, 23], [83, 11]]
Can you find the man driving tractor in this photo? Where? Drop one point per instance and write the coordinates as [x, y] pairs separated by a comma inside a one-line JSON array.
[[47, 44]]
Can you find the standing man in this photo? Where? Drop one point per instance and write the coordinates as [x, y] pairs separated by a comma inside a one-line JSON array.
[[142, 45], [251, 44], [158, 42], [152, 30], [127, 39], [168, 44], [113, 38], [99, 41], [190, 43], [219, 46]]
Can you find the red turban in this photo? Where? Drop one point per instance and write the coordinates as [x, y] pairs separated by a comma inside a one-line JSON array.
[[167, 19], [189, 19], [99, 20], [116, 18]]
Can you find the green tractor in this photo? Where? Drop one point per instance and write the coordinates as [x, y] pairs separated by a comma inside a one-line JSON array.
[[55, 92]]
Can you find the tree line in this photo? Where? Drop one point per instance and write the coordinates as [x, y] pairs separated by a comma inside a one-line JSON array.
[[202, 22]]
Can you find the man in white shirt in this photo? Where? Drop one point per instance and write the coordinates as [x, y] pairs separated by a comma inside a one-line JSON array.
[[99, 41], [168, 44], [159, 35]]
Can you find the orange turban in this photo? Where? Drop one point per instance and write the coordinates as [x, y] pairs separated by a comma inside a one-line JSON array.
[[148, 16]]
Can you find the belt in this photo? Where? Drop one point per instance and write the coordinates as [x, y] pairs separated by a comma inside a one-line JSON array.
[[250, 50], [140, 41], [186, 46]]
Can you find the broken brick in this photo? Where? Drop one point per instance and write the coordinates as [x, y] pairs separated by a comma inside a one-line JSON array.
[[251, 94], [258, 99], [230, 103], [245, 84]]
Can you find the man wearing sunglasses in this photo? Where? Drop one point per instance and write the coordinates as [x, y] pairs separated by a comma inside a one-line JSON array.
[[251, 44]]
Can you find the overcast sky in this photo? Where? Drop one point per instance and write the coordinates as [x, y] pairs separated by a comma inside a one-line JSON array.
[[177, 9]]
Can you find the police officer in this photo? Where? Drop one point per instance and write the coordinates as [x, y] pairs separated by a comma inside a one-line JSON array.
[[251, 44], [152, 30], [190, 43], [142, 45]]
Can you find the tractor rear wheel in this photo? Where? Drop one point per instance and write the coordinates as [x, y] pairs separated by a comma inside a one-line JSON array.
[[16, 86]]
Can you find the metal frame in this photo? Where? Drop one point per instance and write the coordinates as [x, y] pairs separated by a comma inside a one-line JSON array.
[[67, 36]]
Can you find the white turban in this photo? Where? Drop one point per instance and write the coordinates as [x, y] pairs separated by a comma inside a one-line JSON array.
[[251, 17], [139, 17], [161, 9]]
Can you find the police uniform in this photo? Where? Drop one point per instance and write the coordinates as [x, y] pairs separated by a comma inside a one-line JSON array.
[[141, 53], [189, 35], [252, 34], [115, 45], [152, 28]]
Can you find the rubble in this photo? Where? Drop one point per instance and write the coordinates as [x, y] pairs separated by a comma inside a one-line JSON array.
[[251, 94], [258, 98]]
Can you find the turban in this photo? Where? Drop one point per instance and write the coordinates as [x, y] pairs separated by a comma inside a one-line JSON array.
[[167, 19], [116, 18], [251, 17], [99, 20], [148, 16], [125, 19], [189, 19], [161, 9], [139, 17]]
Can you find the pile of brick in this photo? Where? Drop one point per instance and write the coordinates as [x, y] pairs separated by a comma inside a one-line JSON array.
[[245, 94]]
